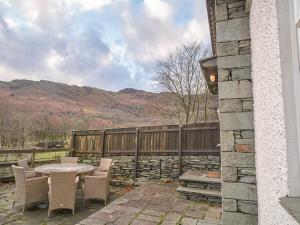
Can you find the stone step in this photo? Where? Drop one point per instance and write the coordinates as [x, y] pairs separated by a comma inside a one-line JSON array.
[[202, 179], [211, 186], [199, 176], [198, 191]]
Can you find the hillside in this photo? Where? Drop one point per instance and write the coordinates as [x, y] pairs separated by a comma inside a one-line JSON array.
[[79, 107]]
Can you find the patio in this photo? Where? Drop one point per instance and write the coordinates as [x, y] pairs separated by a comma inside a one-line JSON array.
[[37, 215], [155, 203], [150, 203]]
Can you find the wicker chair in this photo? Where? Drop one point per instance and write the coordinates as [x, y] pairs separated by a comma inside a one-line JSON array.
[[62, 190], [69, 159], [29, 172], [105, 165], [31, 190], [97, 186]]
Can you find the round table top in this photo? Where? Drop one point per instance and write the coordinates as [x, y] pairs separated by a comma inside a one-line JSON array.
[[80, 168]]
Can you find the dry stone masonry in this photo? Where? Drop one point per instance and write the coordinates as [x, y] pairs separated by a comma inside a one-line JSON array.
[[156, 167], [239, 193]]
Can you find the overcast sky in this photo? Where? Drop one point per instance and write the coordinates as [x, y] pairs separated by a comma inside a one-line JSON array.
[[109, 44]]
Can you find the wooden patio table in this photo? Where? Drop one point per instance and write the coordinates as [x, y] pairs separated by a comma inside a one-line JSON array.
[[80, 168]]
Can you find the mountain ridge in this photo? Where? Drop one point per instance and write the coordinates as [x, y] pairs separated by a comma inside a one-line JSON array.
[[97, 108]]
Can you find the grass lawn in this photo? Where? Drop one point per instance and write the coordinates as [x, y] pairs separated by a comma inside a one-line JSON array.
[[41, 156], [49, 155]]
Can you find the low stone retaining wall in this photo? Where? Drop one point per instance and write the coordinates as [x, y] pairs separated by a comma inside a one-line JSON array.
[[156, 167]]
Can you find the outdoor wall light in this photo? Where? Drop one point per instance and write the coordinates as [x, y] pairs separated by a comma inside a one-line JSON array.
[[212, 78]]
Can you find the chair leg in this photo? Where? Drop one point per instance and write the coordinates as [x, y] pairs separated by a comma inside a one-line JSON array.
[[23, 208], [49, 213], [73, 212], [13, 205]]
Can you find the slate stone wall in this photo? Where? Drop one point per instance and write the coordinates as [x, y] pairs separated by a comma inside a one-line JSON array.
[[239, 193], [157, 167]]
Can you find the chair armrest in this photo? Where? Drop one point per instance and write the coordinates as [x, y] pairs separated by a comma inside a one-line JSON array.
[[102, 170], [98, 178], [76, 183], [31, 174], [36, 181], [95, 182], [100, 174]]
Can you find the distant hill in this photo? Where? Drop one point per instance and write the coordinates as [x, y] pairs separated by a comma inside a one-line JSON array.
[[131, 91], [74, 105]]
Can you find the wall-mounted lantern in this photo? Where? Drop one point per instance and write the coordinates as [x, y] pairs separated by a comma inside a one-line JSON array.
[[212, 78], [210, 72]]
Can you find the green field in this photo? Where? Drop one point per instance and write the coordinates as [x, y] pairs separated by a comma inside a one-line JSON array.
[[43, 156]]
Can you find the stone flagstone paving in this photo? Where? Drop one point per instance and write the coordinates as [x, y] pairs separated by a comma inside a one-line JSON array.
[[152, 204], [149, 204], [38, 216]]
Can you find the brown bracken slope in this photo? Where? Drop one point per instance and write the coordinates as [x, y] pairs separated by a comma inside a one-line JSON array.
[[95, 108]]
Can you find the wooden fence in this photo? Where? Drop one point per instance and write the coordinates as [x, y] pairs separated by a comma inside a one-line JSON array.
[[155, 140], [11, 156]]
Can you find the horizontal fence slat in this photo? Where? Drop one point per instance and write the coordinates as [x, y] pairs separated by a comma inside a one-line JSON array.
[[201, 128], [158, 131], [8, 164], [15, 151]]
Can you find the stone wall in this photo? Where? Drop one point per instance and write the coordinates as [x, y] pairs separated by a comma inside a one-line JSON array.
[[157, 167], [239, 193]]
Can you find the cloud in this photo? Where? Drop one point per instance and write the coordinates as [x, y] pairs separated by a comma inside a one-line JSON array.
[[150, 38], [158, 9], [88, 5], [110, 44]]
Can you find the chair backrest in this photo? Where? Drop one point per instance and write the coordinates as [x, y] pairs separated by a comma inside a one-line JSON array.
[[23, 163], [20, 184], [105, 164], [69, 159], [62, 187]]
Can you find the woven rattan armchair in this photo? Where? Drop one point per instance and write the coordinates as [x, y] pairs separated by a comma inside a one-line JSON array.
[[31, 190], [29, 172], [105, 165], [62, 190], [69, 159], [97, 186]]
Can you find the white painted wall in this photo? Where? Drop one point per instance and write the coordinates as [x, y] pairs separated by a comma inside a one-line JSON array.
[[269, 114]]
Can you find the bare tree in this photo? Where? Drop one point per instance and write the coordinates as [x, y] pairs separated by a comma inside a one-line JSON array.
[[180, 76]]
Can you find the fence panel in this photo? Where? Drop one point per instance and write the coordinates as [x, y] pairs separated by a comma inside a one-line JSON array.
[[196, 138]]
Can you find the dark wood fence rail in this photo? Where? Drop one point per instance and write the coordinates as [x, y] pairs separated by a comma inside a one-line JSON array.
[[6, 162], [155, 140], [33, 152]]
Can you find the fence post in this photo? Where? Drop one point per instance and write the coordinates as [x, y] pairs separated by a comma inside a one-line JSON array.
[[33, 158], [180, 150], [72, 144], [103, 143], [136, 152]]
